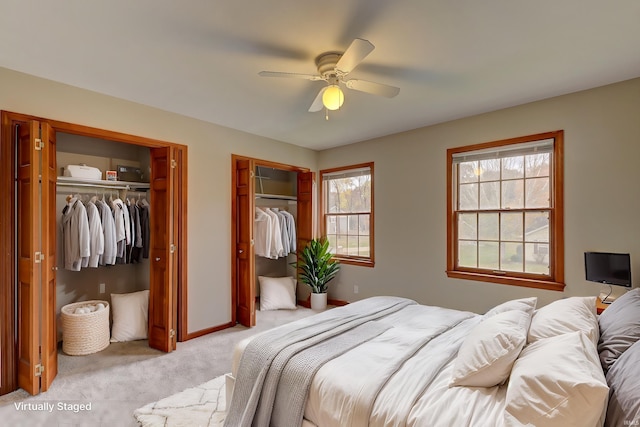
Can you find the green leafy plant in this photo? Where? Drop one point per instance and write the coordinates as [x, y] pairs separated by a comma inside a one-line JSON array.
[[316, 268]]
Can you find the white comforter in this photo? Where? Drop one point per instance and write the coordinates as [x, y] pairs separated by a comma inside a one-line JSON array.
[[401, 377]]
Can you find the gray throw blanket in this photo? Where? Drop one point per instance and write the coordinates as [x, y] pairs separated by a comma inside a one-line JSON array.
[[277, 367]]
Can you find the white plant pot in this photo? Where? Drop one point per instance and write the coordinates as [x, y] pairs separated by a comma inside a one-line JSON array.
[[318, 302]]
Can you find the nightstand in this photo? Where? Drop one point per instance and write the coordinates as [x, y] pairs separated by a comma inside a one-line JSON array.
[[600, 306]]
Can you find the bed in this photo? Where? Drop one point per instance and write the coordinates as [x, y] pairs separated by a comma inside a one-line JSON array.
[[389, 361]]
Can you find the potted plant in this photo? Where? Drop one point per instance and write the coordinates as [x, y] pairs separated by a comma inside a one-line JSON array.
[[316, 268]]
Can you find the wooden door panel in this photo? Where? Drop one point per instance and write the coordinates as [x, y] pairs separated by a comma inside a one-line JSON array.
[[243, 247], [49, 336], [163, 280], [305, 209], [28, 270]]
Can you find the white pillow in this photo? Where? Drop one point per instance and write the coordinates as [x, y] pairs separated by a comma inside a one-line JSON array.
[[130, 316], [557, 381], [524, 304], [564, 316], [487, 354], [277, 293]]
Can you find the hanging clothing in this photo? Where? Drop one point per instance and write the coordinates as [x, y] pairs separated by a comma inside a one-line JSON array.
[[284, 232], [96, 236], [291, 230], [145, 230], [263, 234], [276, 249], [109, 228], [76, 235]]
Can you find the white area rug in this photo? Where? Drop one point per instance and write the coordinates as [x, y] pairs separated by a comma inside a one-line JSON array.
[[203, 405]]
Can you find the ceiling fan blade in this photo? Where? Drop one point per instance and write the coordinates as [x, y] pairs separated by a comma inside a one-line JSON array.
[[312, 77], [317, 104], [355, 53], [373, 88]]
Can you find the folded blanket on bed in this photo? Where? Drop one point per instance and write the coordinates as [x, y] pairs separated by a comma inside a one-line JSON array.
[[279, 358]]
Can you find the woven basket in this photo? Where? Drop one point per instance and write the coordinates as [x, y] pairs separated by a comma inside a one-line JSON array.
[[84, 333]]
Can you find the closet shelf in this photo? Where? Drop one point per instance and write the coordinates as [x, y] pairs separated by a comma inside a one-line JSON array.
[[100, 183], [275, 196]]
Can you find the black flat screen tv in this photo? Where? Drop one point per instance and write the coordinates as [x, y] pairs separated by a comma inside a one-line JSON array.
[[609, 268]]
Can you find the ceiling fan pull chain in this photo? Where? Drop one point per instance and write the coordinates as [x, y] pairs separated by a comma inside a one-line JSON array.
[[326, 114]]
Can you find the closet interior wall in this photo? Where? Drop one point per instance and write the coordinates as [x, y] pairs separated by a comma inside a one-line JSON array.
[[105, 155], [275, 188]]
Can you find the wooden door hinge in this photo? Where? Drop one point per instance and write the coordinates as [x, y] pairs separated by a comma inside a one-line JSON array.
[[38, 257], [39, 144], [172, 248], [251, 174], [172, 333], [174, 164], [39, 370]]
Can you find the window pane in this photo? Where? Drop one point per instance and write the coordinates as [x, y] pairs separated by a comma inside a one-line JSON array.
[[365, 246], [342, 225], [331, 224], [538, 164], [511, 226], [536, 258], [489, 170], [511, 257], [513, 167], [468, 172], [488, 255], [488, 226], [536, 227], [467, 254], [468, 226], [351, 194], [341, 244], [363, 229], [332, 238], [513, 194], [468, 197], [352, 245], [490, 195], [537, 193]]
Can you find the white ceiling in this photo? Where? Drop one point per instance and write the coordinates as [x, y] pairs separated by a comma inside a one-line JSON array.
[[201, 58]]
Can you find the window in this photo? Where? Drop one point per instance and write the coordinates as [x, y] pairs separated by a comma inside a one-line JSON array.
[[505, 212], [347, 209]]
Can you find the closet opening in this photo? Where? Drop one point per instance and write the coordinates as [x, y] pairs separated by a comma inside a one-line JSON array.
[[34, 281], [266, 193]]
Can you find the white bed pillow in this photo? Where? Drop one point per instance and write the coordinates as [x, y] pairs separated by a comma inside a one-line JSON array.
[[487, 354], [524, 304], [557, 381], [130, 316], [565, 316], [277, 293]]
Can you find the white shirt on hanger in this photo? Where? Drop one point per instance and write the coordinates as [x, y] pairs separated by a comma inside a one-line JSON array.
[[262, 233], [276, 249], [75, 231]]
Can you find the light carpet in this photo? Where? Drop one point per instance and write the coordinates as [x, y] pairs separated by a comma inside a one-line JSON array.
[[203, 405]]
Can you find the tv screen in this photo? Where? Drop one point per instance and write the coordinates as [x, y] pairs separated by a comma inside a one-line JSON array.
[[612, 269]]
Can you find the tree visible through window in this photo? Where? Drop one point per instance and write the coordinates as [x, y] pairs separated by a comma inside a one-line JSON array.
[[347, 200], [505, 211]]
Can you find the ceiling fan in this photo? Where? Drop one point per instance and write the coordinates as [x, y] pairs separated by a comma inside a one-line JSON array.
[[333, 68]]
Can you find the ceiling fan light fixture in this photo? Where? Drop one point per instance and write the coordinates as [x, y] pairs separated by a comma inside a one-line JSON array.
[[333, 98]]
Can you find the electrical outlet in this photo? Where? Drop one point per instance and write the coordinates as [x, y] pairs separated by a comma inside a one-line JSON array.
[[355, 289], [102, 286]]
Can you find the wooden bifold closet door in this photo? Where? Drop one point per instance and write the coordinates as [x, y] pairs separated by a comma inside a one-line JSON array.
[[37, 340]]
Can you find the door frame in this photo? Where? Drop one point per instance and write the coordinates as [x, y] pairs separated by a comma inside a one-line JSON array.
[[236, 222], [8, 327]]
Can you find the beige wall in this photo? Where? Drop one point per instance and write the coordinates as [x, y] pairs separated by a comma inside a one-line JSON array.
[[602, 196], [209, 163]]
